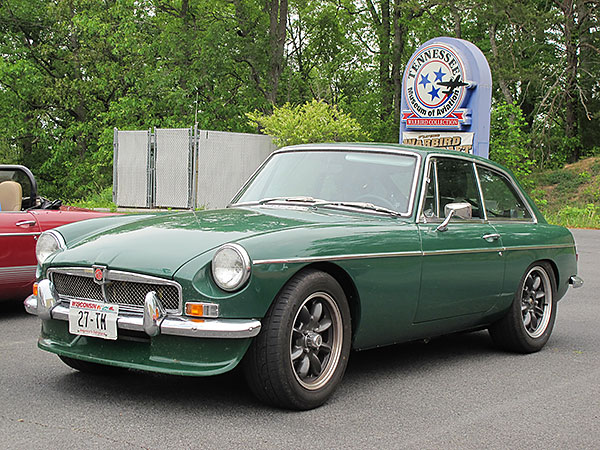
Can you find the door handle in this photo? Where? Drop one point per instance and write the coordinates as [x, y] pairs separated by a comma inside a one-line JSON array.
[[491, 237], [22, 223]]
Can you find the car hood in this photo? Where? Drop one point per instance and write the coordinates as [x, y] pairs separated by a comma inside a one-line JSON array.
[[160, 244]]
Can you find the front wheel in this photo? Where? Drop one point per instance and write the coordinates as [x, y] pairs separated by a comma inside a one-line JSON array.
[[301, 354], [527, 325]]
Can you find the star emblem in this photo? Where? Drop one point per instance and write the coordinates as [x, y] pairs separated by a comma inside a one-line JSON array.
[[425, 80], [439, 76], [434, 93]]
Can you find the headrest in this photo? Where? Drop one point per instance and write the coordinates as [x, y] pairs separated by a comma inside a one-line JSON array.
[[11, 196]]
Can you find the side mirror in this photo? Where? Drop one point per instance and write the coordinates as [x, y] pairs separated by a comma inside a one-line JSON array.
[[462, 210]]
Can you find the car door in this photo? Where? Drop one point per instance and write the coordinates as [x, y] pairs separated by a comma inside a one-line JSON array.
[[18, 236], [508, 212], [463, 265]]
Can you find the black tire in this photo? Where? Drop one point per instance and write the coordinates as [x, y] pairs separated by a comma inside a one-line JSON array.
[[301, 353], [90, 367], [527, 325]]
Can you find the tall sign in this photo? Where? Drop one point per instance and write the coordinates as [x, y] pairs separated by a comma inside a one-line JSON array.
[[446, 97]]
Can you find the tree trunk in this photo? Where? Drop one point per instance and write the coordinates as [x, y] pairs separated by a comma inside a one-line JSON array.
[[384, 62], [498, 74], [397, 50], [278, 12], [456, 18], [382, 27], [571, 91]]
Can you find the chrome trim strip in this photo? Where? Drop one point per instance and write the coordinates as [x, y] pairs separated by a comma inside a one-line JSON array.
[[437, 189], [461, 252], [420, 218], [173, 325], [539, 247], [310, 259], [118, 275], [496, 249], [481, 199], [20, 234]]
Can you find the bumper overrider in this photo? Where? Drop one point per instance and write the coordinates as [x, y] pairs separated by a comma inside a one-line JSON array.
[[576, 281], [46, 305], [154, 341]]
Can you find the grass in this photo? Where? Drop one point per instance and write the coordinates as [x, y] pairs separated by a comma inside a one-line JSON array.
[[570, 196], [102, 199]]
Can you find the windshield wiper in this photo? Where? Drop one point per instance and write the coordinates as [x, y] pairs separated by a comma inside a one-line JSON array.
[[361, 205], [297, 199]]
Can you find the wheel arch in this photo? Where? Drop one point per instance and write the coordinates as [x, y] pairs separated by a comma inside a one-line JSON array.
[[348, 286], [555, 271]]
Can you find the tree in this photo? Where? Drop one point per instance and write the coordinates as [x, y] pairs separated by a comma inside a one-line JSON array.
[[315, 121]]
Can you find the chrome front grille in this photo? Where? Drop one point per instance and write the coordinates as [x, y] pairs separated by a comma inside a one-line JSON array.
[[127, 292], [77, 286], [123, 288]]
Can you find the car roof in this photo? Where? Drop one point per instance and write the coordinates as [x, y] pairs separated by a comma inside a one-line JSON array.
[[378, 147]]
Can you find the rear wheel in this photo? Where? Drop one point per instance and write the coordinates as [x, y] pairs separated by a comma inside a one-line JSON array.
[[301, 353], [529, 322]]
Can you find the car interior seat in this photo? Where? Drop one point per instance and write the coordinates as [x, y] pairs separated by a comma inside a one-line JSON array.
[[11, 196]]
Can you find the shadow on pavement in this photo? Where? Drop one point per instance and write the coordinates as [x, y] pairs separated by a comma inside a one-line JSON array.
[[12, 309]]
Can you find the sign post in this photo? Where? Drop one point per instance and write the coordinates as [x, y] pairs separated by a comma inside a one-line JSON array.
[[446, 97]]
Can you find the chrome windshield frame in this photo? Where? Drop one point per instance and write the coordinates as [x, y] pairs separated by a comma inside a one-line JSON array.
[[343, 149]]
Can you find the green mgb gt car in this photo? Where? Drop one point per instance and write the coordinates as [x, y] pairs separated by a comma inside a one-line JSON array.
[[327, 248]]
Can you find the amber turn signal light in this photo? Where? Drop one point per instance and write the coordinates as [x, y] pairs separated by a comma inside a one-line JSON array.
[[35, 289], [196, 309]]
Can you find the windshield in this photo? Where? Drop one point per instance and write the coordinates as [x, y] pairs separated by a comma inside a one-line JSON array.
[[380, 179]]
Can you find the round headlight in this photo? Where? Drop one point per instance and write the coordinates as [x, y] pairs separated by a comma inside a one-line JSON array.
[[48, 243], [231, 267]]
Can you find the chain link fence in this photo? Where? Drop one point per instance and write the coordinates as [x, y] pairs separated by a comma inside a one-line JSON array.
[[184, 167], [132, 171]]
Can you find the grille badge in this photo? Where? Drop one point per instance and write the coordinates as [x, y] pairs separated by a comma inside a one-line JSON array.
[[99, 275]]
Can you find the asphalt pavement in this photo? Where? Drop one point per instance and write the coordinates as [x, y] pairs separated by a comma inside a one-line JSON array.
[[454, 392]]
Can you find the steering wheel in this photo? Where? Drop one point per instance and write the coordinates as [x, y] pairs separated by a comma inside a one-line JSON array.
[[376, 200]]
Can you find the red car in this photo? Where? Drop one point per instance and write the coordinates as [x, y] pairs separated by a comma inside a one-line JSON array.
[[23, 216]]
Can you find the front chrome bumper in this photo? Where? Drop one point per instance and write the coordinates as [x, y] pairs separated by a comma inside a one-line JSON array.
[[47, 306]]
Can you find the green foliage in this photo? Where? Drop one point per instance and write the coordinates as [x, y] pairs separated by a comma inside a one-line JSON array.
[[314, 121], [101, 199], [558, 177], [576, 217], [72, 70], [509, 141], [591, 193], [539, 197], [569, 196]]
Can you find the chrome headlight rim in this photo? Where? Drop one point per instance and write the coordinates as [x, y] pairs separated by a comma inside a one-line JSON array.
[[59, 243], [245, 260]]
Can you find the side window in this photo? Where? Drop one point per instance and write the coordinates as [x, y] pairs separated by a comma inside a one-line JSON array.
[[501, 200], [457, 184]]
